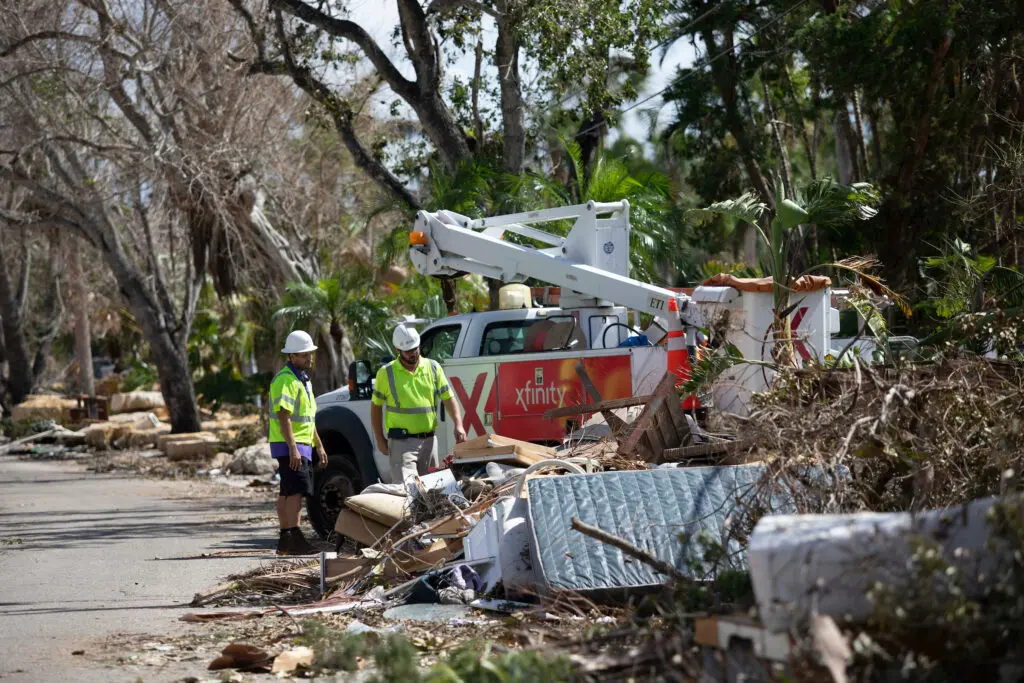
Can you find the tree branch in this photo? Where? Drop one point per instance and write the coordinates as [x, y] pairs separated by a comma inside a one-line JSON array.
[[445, 6], [112, 79], [419, 44], [53, 35], [21, 296], [341, 115], [625, 546], [154, 263], [254, 30], [349, 30]]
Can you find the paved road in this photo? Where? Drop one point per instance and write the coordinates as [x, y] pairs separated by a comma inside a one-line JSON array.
[[86, 567]]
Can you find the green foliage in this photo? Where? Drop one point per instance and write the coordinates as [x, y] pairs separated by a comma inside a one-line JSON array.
[[220, 345], [944, 621], [475, 663], [709, 368], [138, 374], [714, 267], [576, 46], [397, 661]]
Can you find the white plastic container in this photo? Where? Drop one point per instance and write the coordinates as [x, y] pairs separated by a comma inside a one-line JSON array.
[[514, 296]]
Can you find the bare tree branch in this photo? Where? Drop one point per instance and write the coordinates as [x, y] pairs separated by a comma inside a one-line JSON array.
[[349, 30], [54, 35], [445, 6], [341, 115]]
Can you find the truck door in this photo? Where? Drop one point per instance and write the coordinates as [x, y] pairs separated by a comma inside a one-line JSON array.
[[528, 388], [472, 384]]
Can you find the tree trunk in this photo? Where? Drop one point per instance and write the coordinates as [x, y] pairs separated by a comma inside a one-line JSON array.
[[343, 353], [724, 73], [844, 155], [448, 295], [167, 348], [53, 306], [478, 124], [506, 58], [493, 289], [20, 380], [176, 387], [862, 148], [83, 336]]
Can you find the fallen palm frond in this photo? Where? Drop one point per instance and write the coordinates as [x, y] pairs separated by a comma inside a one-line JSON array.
[[288, 580], [888, 439]]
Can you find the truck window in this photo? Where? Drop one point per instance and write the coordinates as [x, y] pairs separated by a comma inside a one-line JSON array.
[[439, 343], [532, 336], [504, 337]]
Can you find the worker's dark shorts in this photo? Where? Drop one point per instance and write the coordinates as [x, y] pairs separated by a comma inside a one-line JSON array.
[[293, 482]]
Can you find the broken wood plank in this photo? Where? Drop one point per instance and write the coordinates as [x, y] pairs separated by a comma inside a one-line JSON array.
[[663, 419], [726, 447], [614, 422], [27, 439], [654, 437], [675, 410], [611, 404], [665, 388]]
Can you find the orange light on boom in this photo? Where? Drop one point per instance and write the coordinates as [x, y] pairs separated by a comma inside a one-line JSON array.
[[417, 238]]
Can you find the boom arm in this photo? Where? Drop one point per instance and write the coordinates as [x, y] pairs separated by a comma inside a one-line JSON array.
[[590, 263]]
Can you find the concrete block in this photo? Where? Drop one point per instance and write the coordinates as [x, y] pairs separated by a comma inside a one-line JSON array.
[[189, 449], [164, 439]]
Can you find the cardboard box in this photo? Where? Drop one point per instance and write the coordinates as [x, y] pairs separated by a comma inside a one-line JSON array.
[[495, 448]]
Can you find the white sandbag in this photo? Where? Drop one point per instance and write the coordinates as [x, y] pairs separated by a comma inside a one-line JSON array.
[[136, 401]]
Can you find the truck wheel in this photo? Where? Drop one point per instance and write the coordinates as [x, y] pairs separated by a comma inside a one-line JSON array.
[[330, 489]]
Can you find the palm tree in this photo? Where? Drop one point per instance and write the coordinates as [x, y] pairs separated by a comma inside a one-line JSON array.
[[323, 305], [825, 203]]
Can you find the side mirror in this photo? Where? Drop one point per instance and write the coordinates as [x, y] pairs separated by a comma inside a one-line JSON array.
[[360, 380]]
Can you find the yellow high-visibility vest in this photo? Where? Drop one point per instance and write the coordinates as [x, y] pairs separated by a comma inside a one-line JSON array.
[[411, 397], [287, 391]]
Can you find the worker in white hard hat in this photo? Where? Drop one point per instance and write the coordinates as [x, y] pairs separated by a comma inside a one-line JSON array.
[[293, 438], [411, 387]]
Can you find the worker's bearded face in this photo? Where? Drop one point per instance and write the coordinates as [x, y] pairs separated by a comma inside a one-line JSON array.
[[303, 361], [410, 358]]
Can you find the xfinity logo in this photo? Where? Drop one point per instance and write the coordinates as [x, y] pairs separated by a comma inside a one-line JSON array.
[[539, 395]]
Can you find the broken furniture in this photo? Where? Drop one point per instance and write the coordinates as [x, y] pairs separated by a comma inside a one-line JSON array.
[[90, 408]]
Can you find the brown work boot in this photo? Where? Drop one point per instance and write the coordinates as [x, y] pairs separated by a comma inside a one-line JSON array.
[[292, 542]]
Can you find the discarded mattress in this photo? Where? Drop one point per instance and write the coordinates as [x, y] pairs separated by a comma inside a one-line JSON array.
[[650, 509], [828, 563]]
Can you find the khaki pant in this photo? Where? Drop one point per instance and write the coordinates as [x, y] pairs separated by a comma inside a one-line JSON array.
[[408, 457]]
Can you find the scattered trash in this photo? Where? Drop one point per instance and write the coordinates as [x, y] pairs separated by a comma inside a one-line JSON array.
[[356, 627], [440, 614], [292, 660], [241, 656]]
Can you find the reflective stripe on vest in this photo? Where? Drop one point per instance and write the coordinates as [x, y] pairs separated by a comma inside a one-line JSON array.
[[302, 410], [397, 409]]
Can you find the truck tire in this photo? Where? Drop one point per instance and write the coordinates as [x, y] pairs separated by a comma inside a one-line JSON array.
[[349, 466], [330, 489]]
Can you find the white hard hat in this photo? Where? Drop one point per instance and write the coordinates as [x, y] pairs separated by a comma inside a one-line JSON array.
[[298, 342], [405, 338]]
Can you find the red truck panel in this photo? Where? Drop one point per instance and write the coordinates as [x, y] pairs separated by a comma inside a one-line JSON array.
[[526, 389]]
